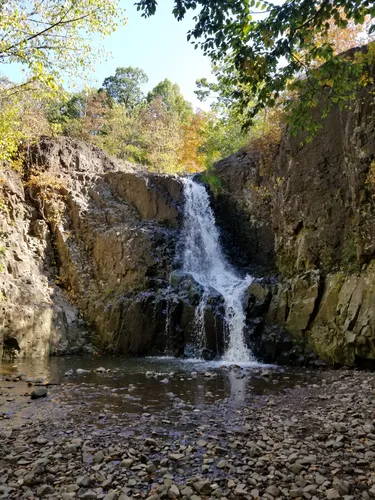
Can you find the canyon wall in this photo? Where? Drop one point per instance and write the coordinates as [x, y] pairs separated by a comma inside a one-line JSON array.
[[309, 219]]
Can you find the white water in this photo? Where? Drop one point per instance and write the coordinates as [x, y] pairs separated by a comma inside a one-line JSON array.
[[204, 259]]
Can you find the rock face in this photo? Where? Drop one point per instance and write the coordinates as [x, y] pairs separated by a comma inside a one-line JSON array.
[[188, 315], [311, 221], [332, 316], [247, 235], [88, 235], [35, 317]]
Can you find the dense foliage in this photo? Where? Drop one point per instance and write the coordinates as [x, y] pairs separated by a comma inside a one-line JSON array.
[[159, 130], [263, 47], [48, 39]]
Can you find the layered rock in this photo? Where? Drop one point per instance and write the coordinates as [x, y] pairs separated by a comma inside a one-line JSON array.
[[310, 220], [332, 316], [95, 235], [35, 316]]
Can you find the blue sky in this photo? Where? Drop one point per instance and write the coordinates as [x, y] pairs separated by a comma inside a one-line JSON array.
[[157, 44]]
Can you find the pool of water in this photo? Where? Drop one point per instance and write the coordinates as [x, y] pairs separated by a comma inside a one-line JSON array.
[[152, 385]]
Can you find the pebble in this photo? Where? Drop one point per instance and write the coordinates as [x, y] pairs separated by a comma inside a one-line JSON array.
[[203, 487], [309, 443], [39, 392]]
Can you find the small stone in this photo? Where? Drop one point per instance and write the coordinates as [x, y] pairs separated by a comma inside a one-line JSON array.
[[222, 464], [331, 494], [296, 468], [240, 490], [151, 468], [273, 490], [176, 456], [294, 493], [111, 495], [101, 369], [29, 479], [88, 495], [150, 442], [173, 492], [203, 487], [44, 490], [39, 392], [343, 487], [126, 463], [187, 492], [83, 481], [98, 457]]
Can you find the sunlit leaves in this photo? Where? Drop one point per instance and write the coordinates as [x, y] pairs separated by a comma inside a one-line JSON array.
[[125, 86], [51, 37], [264, 44]]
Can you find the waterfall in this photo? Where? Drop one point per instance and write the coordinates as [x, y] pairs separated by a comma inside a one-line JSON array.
[[204, 259]]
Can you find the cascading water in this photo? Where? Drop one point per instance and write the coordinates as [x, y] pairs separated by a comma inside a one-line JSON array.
[[203, 258]]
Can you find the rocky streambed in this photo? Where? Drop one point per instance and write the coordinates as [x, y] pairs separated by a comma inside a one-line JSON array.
[[160, 428]]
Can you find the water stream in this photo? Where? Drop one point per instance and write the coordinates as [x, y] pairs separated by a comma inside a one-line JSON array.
[[204, 260]]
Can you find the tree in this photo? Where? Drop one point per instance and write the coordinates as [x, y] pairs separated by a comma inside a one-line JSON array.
[[124, 136], [161, 136], [173, 100], [22, 119], [83, 116], [266, 45], [223, 136], [191, 156], [348, 37], [124, 87], [49, 37]]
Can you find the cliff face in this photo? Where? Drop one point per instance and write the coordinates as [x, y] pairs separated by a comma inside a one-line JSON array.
[[87, 235], [35, 316], [312, 220]]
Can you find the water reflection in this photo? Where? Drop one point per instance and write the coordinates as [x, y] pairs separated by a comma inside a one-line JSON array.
[[147, 385], [237, 386]]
